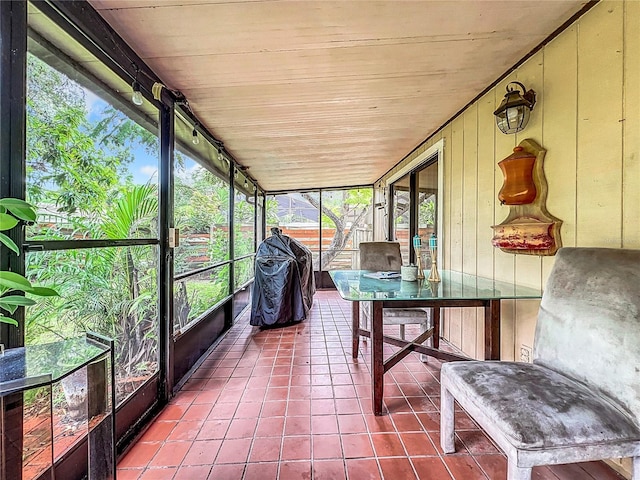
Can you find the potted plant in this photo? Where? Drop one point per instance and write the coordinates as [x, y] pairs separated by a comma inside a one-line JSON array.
[[14, 285]]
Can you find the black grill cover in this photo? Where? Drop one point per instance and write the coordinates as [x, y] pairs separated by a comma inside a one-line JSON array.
[[284, 286]]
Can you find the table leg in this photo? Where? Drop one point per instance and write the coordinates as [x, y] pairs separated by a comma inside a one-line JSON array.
[[355, 326], [492, 330], [436, 327], [377, 360]]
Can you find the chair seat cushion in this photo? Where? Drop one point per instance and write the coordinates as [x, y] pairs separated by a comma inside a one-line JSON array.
[[417, 313], [400, 315], [536, 408]]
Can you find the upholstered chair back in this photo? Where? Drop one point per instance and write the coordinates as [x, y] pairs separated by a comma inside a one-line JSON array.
[[589, 322], [380, 256]]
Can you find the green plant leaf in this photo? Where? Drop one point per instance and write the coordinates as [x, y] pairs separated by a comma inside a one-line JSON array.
[[18, 300], [10, 202], [8, 307], [15, 281], [26, 214], [7, 222], [8, 320], [19, 208], [44, 292], [9, 243]]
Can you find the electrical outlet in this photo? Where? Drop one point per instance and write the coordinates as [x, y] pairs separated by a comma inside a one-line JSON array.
[[525, 353]]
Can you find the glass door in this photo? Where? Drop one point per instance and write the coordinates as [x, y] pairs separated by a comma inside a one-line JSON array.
[[401, 215], [427, 194], [414, 210]]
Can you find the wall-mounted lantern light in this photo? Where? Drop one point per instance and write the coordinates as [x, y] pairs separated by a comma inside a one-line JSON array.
[[513, 113]]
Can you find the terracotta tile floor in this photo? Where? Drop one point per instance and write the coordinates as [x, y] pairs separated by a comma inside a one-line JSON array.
[[291, 403]]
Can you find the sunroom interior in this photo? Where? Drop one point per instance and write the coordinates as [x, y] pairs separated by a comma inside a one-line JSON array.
[[160, 142]]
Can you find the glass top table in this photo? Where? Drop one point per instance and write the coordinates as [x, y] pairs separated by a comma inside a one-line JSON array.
[[354, 285], [454, 290]]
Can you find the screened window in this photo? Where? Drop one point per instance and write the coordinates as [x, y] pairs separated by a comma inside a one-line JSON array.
[[244, 210], [297, 215], [85, 156], [91, 165], [331, 223], [201, 214], [346, 221]]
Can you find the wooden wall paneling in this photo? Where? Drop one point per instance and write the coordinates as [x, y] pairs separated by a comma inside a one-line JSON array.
[[456, 220], [560, 135], [445, 229], [457, 189], [486, 198], [599, 145], [504, 263], [469, 222], [446, 198], [528, 268], [631, 128], [530, 74], [470, 189]]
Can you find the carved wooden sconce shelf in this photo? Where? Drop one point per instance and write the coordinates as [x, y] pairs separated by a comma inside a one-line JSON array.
[[529, 228]]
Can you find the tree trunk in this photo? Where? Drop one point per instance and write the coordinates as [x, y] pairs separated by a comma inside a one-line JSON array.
[[340, 237]]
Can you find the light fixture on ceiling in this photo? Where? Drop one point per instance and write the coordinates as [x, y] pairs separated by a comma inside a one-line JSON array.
[[136, 96], [195, 139], [224, 162], [246, 184], [513, 113]]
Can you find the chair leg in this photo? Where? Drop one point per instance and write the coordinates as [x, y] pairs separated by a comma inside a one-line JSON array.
[[635, 474], [447, 418], [423, 328], [402, 332], [518, 473]]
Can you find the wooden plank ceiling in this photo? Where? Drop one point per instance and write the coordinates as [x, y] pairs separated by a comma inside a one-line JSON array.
[[329, 93]]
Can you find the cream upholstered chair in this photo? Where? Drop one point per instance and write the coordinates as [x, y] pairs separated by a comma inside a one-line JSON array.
[[385, 256]]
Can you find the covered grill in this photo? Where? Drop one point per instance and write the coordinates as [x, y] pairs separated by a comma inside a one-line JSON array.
[[284, 285]]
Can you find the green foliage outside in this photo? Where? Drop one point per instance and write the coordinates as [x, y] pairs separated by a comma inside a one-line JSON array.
[[195, 295], [202, 214], [427, 211], [78, 161], [112, 291], [14, 285]]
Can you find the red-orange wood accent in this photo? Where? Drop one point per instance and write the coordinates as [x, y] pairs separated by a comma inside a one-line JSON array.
[[519, 187]]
